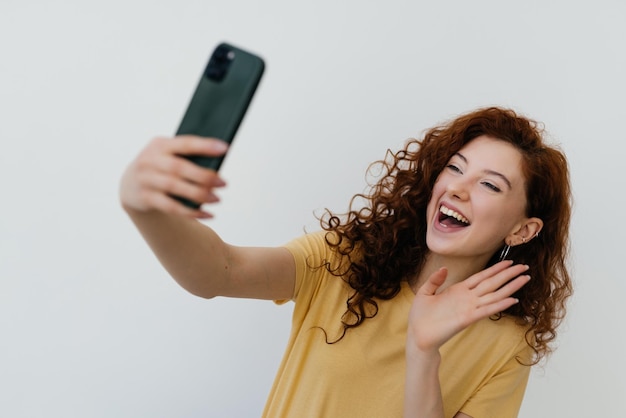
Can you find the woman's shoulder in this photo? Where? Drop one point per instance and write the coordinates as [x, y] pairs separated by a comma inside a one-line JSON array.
[[316, 247], [490, 341]]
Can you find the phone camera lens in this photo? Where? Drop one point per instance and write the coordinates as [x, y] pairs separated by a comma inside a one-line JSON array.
[[219, 63], [222, 54]]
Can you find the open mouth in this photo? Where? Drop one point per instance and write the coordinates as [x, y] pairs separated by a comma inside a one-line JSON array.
[[451, 218]]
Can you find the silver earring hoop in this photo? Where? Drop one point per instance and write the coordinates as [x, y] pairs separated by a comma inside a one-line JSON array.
[[505, 252]]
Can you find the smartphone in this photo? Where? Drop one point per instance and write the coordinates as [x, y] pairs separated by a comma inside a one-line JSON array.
[[221, 99]]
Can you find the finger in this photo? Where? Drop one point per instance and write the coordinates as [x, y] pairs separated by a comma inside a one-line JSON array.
[[181, 167], [167, 155], [479, 277], [486, 311], [434, 282], [169, 205], [498, 270], [174, 186], [196, 145], [505, 291], [490, 284]]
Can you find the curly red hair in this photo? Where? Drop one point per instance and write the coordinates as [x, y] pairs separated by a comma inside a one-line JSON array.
[[383, 241]]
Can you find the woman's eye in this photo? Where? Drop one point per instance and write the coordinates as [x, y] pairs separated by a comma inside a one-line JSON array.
[[491, 186], [453, 168]]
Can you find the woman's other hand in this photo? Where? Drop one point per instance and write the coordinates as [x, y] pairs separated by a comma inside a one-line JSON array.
[[435, 317]]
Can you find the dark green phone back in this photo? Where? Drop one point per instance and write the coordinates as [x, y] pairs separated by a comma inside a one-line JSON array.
[[218, 106]]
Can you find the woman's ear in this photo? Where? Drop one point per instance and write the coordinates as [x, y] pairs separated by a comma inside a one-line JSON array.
[[530, 229]]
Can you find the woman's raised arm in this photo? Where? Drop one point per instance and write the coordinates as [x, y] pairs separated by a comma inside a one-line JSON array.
[[196, 257]]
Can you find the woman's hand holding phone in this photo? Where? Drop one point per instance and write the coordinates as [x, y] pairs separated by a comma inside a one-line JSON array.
[[161, 171], [178, 176]]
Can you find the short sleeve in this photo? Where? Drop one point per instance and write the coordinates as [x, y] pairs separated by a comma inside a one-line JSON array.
[[309, 252], [502, 395]]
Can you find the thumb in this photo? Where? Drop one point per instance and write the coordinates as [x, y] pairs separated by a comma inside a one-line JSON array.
[[434, 282]]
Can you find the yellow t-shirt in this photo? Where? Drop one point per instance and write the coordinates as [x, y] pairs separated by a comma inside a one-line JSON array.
[[363, 374]]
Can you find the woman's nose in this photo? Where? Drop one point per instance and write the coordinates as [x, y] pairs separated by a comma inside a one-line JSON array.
[[459, 190]]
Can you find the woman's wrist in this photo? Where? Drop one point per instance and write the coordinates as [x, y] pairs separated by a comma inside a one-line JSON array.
[[417, 349]]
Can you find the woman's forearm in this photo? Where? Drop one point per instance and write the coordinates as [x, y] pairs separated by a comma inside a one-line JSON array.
[[191, 252], [422, 390]]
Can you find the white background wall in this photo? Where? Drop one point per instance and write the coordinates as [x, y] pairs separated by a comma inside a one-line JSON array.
[[91, 325]]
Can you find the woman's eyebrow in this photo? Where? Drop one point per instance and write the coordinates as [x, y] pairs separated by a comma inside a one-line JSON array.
[[461, 156], [491, 172], [502, 176]]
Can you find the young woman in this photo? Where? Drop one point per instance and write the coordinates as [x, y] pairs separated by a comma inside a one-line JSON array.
[[409, 304]]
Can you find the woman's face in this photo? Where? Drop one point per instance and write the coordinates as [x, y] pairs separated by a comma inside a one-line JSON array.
[[478, 200]]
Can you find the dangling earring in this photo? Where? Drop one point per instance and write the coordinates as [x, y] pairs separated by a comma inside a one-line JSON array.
[[505, 252]]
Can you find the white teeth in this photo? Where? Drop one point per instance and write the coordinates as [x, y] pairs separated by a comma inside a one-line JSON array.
[[454, 214]]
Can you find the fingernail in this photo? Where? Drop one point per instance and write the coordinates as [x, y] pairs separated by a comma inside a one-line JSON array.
[[211, 198], [204, 215], [218, 182], [218, 146]]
